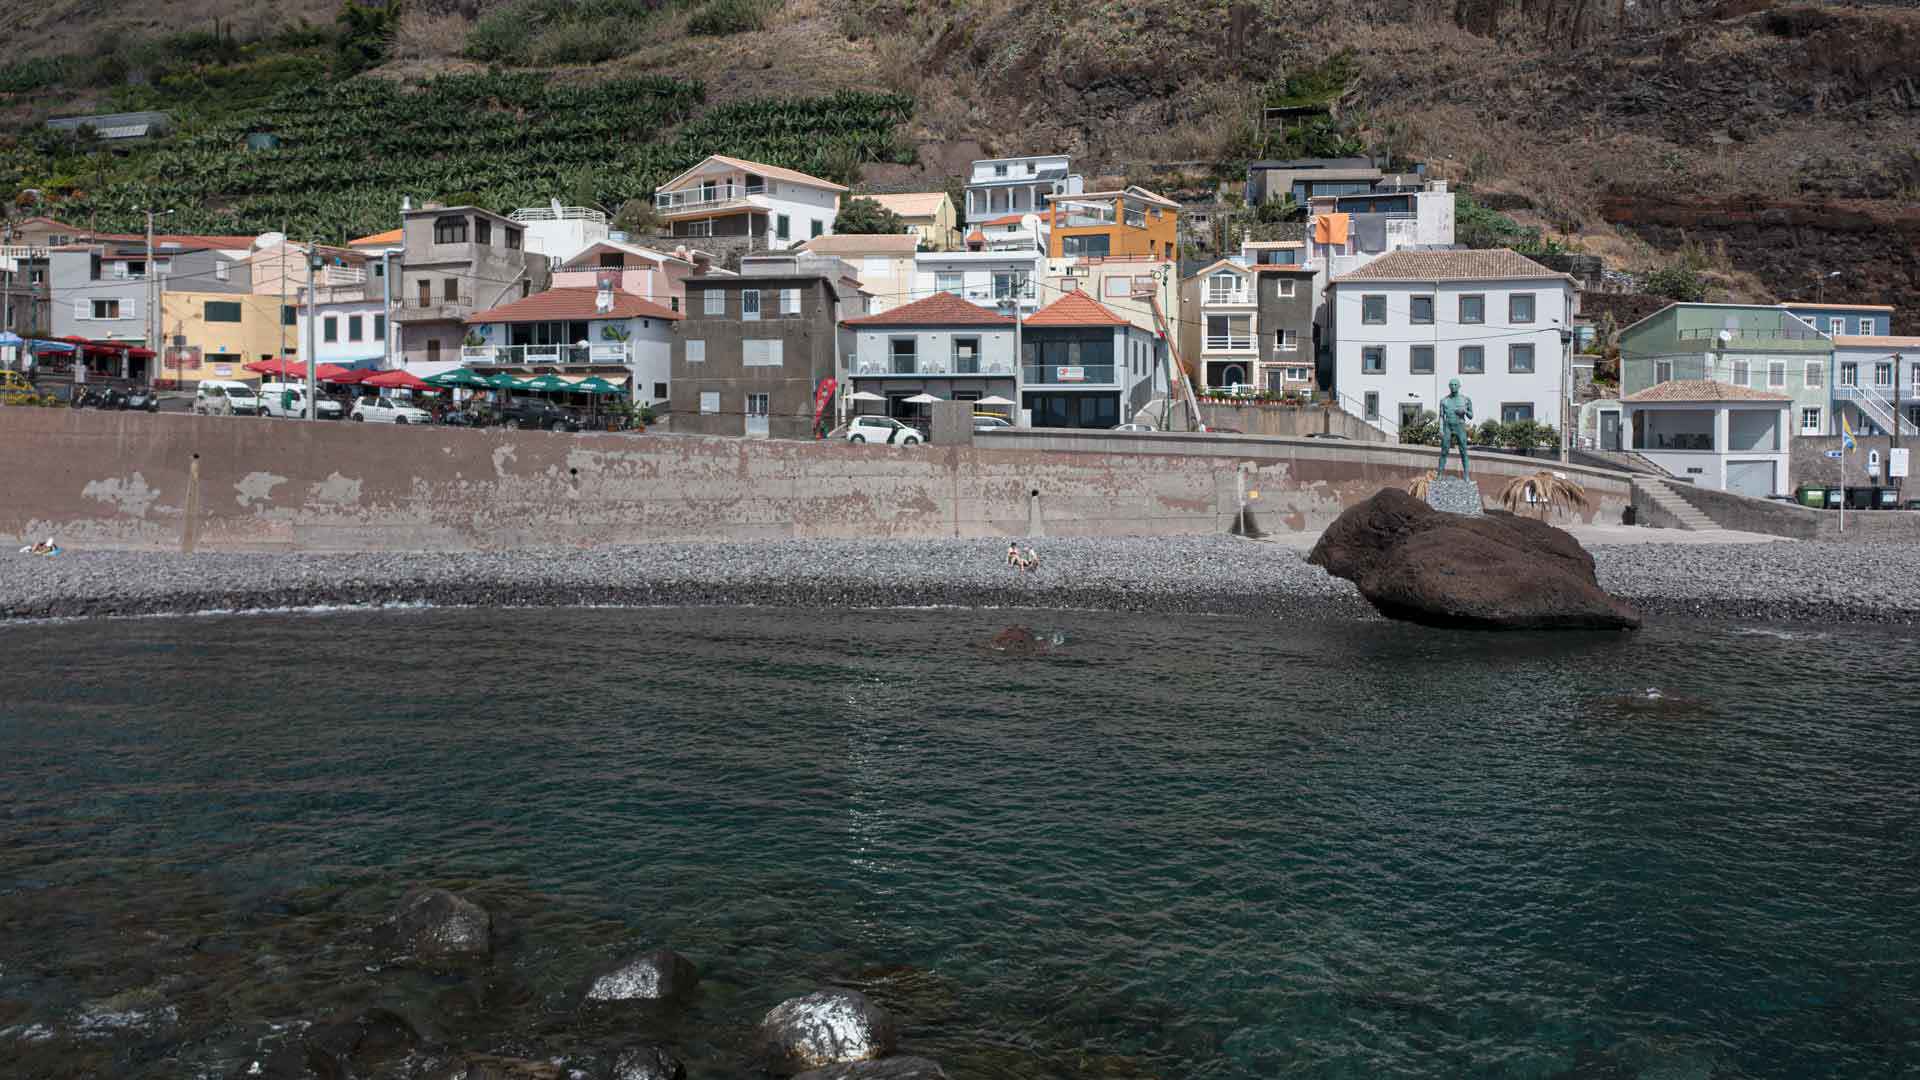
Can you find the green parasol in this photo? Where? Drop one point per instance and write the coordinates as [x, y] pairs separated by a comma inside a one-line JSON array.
[[598, 385], [546, 383], [504, 381], [459, 377]]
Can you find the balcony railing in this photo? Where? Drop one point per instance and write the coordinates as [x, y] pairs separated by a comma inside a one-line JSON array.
[[933, 365], [338, 276], [1229, 342], [562, 213], [718, 197], [1068, 375], [1237, 296], [414, 309], [613, 352]]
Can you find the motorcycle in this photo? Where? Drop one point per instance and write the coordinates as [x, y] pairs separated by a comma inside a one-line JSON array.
[[100, 398], [143, 399]]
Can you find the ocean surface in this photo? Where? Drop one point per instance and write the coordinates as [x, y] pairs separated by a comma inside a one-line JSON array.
[[1173, 847]]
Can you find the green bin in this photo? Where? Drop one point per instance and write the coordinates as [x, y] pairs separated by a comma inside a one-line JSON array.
[[1808, 495]]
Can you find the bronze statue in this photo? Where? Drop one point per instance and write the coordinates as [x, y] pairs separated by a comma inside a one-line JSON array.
[[1455, 410]]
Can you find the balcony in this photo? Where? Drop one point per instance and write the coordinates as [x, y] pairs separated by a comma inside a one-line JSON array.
[[559, 213], [1235, 298], [704, 199], [612, 352], [932, 365], [1229, 343], [436, 309], [1065, 375], [336, 277]]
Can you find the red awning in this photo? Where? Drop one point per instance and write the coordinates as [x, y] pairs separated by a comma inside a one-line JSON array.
[[348, 376], [401, 380], [331, 372]]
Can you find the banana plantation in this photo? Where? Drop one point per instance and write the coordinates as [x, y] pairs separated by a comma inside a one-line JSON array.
[[343, 156]]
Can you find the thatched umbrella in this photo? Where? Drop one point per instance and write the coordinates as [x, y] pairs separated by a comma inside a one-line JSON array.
[[1547, 490]]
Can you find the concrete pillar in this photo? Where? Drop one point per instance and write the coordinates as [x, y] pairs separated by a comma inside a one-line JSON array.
[[952, 423]]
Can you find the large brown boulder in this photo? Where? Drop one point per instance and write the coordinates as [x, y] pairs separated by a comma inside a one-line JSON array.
[[1495, 572]]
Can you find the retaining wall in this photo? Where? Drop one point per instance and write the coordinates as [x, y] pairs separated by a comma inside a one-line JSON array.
[[132, 480], [1747, 514], [1290, 421]]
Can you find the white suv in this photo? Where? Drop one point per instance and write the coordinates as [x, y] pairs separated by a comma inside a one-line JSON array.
[[225, 397], [881, 429], [275, 402], [386, 410]]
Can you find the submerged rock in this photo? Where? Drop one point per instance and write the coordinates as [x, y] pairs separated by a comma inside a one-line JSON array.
[[1497, 572], [647, 1063], [660, 975], [893, 1068], [435, 922], [373, 1037], [1020, 641], [494, 1067], [826, 1027]]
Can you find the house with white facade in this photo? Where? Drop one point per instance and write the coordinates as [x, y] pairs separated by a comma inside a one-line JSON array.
[[725, 196], [997, 276], [882, 261], [940, 345], [634, 269], [1347, 232], [561, 232], [1715, 434], [1407, 323], [351, 333], [997, 187], [605, 332], [1220, 324], [1876, 373]]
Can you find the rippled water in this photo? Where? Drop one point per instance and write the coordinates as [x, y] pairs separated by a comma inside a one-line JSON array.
[[1179, 847]]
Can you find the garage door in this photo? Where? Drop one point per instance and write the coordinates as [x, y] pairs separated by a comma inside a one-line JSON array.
[[1753, 478]]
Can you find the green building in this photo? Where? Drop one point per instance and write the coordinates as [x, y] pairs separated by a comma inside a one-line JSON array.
[[1745, 345]]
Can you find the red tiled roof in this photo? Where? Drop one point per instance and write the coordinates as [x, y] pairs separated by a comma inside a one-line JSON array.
[[379, 239], [1699, 390], [1075, 309], [559, 305], [774, 172], [192, 241], [940, 309], [1006, 219], [1491, 264]]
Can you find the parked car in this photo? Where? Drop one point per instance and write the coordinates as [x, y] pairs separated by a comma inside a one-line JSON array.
[[882, 429], [386, 410], [224, 397], [290, 399], [990, 422], [532, 412], [1134, 427]]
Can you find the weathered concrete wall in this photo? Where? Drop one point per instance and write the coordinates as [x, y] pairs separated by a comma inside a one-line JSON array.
[[1290, 422], [103, 479], [1730, 511], [1808, 463]]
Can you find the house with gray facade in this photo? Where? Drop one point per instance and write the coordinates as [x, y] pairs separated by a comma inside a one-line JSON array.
[[457, 261], [102, 291], [754, 348], [1083, 366], [1287, 343], [941, 345]]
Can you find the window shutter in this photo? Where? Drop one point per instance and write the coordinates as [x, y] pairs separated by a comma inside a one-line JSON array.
[[775, 351], [129, 309], [83, 309]]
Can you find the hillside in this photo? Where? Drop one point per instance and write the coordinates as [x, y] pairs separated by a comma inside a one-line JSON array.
[[1761, 144]]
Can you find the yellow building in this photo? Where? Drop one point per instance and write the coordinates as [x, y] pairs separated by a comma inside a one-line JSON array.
[[1133, 221], [929, 215], [212, 335]]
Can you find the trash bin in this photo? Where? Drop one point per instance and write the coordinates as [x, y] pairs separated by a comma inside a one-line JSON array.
[[1834, 499], [1860, 498], [1887, 498], [1808, 495]]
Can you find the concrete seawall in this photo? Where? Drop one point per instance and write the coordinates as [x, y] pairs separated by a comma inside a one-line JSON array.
[[131, 480]]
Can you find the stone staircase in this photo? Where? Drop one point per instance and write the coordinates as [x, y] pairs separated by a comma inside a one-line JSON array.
[[1669, 504]]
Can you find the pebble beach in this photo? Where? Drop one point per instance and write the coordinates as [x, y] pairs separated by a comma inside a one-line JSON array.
[[1787, 582]]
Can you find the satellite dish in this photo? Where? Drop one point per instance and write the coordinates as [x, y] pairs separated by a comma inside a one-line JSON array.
[[1031, 223], [1726, 336]]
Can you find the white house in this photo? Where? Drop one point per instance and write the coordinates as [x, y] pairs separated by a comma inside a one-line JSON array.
[[603, 332], [561, 232], [1000, 186], [1406, 323], [1220, 324], [939, 345], [351, 333], [993, 277], [725, 196], [1716, 434]]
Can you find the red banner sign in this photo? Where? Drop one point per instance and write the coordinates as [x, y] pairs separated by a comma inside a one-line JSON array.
[[822, 397]]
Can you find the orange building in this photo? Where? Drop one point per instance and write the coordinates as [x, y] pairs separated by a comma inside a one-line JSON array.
[[1133, 221]]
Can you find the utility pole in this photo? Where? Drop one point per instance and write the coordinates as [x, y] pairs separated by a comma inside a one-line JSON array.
[[1566, 393], [154, 292], [313, 398], [1898, 419]]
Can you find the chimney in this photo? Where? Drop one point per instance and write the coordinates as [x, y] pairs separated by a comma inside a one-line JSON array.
[[406, 203]]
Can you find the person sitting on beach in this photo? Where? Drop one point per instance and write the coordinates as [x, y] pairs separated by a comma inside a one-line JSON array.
[[1013, 553], [1030, 560]]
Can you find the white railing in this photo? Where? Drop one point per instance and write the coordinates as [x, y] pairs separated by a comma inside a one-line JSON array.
[[17, 251], [335, 276], [720, 195], [564, 213], [1229, 342], [613, 352], [933, 365], [1238, 296], [1876, 406]]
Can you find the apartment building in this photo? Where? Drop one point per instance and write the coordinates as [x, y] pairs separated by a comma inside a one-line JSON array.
[[730, 197], [940, 345], [1756, 347], [1288, 339], [1875, 372], [1219, 327], [597, 331], [1097, 224], [456, 261], [997, 187], [1084, 366]]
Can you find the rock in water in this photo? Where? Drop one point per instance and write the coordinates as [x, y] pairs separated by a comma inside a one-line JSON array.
[[435, 922], [827, 1027], [647, 1063], [893, 1068], [1495, 572], [1019, 641], [660, 975]]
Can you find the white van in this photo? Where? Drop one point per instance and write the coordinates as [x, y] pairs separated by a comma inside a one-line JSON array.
[[275, 400], [220, 397]]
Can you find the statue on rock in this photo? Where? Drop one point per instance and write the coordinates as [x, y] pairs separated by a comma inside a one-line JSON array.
[[1455, 410]]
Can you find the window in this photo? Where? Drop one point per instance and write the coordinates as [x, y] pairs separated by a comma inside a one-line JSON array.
[[1229, 332], [1520, 308], [1515, 411], [1373, 360], [1850, 374], [221, 271], [999, 170], [1777, 374], [1816, 375], [450, 230], [1067, 284], [1118, 288], [782, 226], [611, 260], [1473, 309], [513, 239], [1473, 360], [1011, 284], [750, 304], [1809, 421], [1421, 311], [1420, 360], [330, 329], [966, 356], [949, 281], [659, 390], [709, 401], [1286, 340], [715, 302], [1373, 404], [761, 352], [1883, 375], [789, 301], [483, 231], [903, 354], [696, 352], [130, 268], [380, 328], [1224, 288], [1099, 245], [106, 309], [1299, 374], [379, 268], [1283, 287], [356, 324], [289, 315], [433, 350], [222, 311], [1520, 359], [1836, 326], [450, 290], [1662, 371], [819, 228], [1739, 373], [1373, 310]]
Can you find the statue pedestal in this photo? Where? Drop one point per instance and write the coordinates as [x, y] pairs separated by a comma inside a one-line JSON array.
[[1454, 495]]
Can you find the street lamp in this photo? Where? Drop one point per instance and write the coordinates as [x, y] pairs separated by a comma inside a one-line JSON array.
[[153, 291], [1823, 284]]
